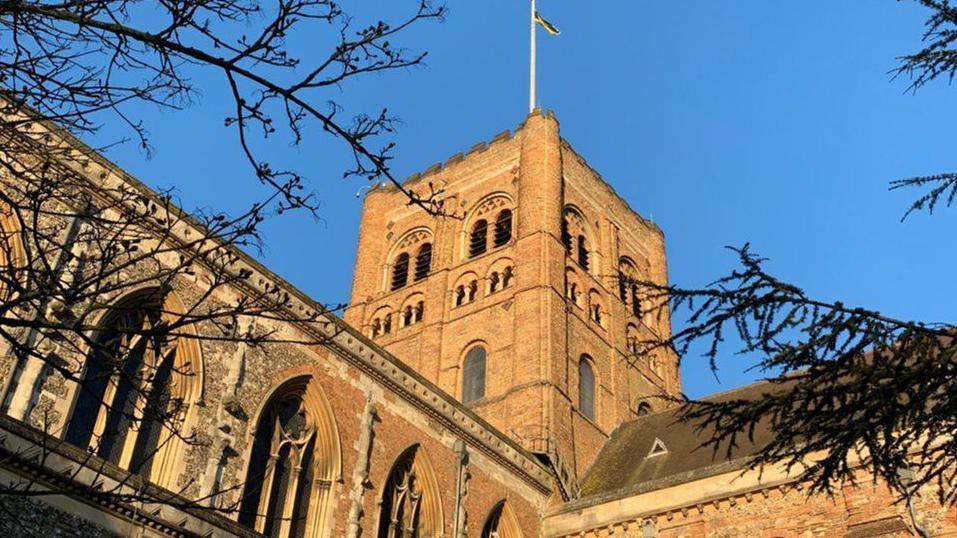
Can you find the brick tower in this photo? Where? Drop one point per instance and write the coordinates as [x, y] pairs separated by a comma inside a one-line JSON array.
[[517, 308]]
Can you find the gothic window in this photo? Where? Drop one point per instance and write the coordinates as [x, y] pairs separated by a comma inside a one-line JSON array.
[[586, 388], [407, 316], [135, 389], [400, 271], [387, 324], [596, 314], [460, 296], [418, 312], [478, 239], [571, 292], [423, 262], [292, 462], [280, 474], [376, 328], [503, 228], [473, 375], [582, 252], [410, 503], [644, 408], [501, 523]]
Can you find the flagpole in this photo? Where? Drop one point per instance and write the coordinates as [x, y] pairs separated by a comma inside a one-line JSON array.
[[531, 65]]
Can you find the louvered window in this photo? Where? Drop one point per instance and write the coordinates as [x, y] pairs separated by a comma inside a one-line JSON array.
[[473, 376], [566, 237], [635, 301], [400, 271], [623, 286], [582, 252], [423, 262], [586, 389], [478, 240], [503, 228]]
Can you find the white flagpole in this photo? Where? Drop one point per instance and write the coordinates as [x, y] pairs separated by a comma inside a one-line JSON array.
[[531, 66]]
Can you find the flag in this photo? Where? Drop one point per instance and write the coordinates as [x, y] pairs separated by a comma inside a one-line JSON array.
[[549, 27]]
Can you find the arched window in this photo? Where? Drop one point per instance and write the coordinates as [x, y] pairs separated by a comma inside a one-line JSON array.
[[137, 385], [503, 228], [473, 289], [418, 312], [375, 329], [493, 282], [473, 375], [407, 316], [582, 252], [387, 323], [460, 296], [507, 277], [501, 523], [644, 408], [423, 262], [410, 505], [478, 239], [400, 271], [280, 475], [586, 388], [294, 458]]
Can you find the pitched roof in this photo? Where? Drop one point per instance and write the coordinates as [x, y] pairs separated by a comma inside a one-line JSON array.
[[629, 464]]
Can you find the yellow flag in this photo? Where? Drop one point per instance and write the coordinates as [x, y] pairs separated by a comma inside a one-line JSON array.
[[549, 27]]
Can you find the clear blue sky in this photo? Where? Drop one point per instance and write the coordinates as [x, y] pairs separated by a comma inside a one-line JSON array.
[[724, 122]]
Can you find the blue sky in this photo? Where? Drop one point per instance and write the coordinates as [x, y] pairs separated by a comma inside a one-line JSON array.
[[725, 122]]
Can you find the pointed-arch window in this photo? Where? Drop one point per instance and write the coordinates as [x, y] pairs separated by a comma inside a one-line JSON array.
[[281, 470], [586, 388], [503, 227], [410, 507], [501, 523], [400, 271], [134, 387], [473, 375], [478, 239], [423, 262]]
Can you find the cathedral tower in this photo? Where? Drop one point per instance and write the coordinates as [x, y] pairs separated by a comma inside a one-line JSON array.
[[518, 307]]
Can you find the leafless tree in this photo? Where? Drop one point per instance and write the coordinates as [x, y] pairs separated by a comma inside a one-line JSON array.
[[90, 260]]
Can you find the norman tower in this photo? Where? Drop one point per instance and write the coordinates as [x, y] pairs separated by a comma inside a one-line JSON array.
[[517, 308]]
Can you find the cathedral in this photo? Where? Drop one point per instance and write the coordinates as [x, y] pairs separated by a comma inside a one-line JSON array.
[[482, 382]]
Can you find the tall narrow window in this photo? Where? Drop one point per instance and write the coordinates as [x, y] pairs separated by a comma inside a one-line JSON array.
[[635, 301], [503, 227], [473, 375], [423, 262], [478, 239], [586, 388], [410, 505], [400, 271], [128, 407], [280, 477], [623, 286], [566, 237], [582, 252]]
